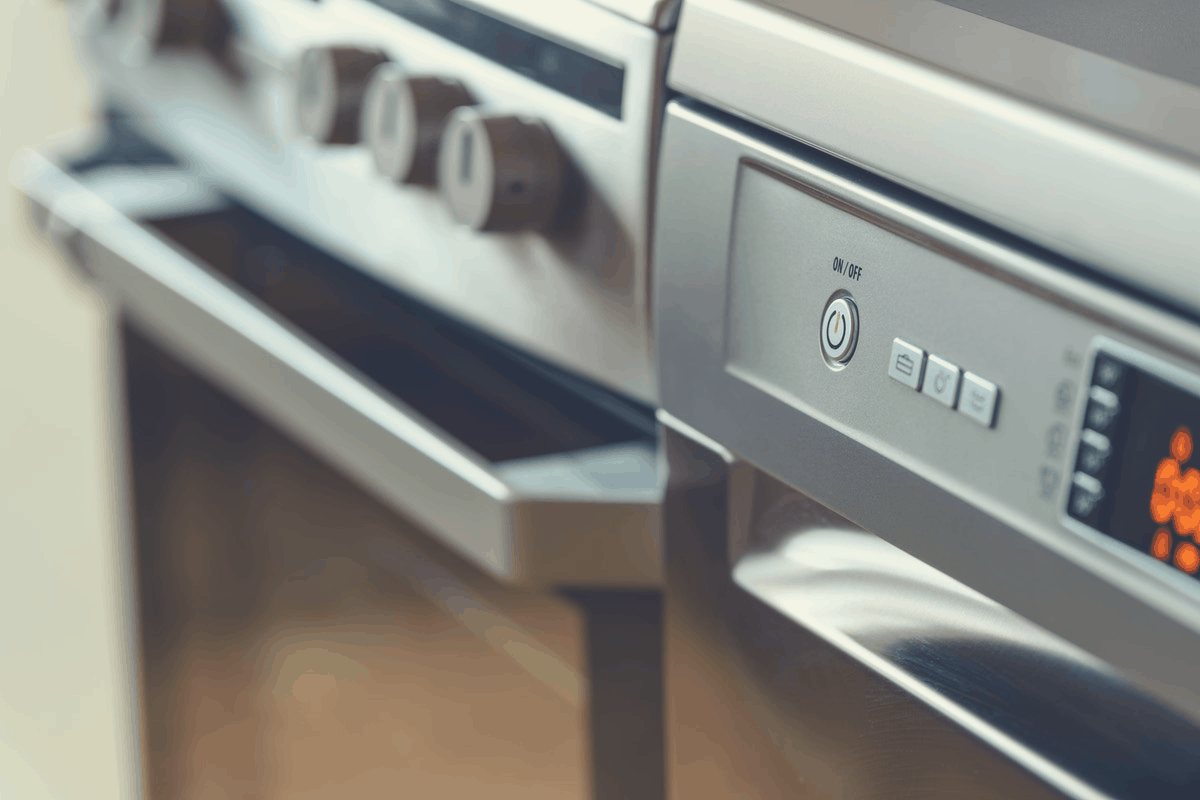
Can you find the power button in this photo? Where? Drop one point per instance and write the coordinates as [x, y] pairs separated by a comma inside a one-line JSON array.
[[839, 330]]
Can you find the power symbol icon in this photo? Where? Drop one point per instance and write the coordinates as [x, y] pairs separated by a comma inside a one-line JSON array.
[[835, 330], [839, 330]]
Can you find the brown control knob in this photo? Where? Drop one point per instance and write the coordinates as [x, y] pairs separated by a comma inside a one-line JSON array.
[[161, 24], [331, 82], [501, 173], [403, 119]]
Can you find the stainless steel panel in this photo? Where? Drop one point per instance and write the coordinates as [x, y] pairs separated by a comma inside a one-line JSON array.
[[659, 14], [578, 298], [807, 658], [598, 527], [960, 497], [972, 112], [1155, 35]]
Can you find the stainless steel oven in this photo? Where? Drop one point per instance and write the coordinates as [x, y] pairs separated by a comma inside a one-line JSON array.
[[413, 237], [927, 356], [508, 470]]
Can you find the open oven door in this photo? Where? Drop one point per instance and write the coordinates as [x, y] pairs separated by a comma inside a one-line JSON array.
[[528, 475]]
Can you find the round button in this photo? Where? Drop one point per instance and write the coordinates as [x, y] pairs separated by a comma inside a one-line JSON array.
[[402, 121], [331, 82], [839, 330], [500, 173]]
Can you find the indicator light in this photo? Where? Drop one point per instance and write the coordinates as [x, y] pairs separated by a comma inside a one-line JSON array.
[[1187, 557], [1160, 547], [1181, 445]]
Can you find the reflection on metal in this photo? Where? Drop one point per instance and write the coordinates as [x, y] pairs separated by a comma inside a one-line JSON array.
[[808, 658], [500, 632], [870, 599]]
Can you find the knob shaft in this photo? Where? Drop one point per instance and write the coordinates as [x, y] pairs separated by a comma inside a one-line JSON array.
[[331, 82], [403, 119], [501, 173]]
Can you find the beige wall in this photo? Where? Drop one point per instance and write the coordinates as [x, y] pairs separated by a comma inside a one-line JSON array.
[[60, 704]]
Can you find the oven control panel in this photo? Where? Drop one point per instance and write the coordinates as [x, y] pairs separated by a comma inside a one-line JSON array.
[[980, 403], [492, 158]]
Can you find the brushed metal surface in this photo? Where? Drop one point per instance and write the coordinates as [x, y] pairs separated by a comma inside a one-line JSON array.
[[972, 112], [808, 658], [963, 498], [600, 528], [759, 706], [660, 14], [577, 298]]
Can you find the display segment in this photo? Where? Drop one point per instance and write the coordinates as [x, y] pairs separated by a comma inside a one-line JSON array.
[[1137, 473]]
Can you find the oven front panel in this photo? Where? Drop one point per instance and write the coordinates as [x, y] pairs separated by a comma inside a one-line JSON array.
[[934, 381]]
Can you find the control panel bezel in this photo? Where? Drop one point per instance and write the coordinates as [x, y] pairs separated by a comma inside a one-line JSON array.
[[1178, 377], [785, 412]]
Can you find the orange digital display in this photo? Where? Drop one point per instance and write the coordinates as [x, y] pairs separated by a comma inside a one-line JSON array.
[[1175, 501], [1137, 470]]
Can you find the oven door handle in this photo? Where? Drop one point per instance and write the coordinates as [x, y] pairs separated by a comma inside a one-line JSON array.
[[516, 520]]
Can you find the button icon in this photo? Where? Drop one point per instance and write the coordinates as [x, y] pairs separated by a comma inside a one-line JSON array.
[[1102, 410], [1094, 450], [1086, 494], [835, 330], [979, 397], [839, 330], [1063, 394], [1056, 439], [907, 363], [1048, 478], [941, 381], [1108, 373]]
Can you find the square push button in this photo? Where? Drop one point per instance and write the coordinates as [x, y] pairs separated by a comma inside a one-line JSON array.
[[978, 399], [907, 364], [941, 381]]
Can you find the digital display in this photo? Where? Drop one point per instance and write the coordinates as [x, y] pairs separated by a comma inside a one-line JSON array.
[[1137, 470]]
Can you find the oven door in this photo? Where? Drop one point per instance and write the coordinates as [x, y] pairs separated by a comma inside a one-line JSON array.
[[806, 657], [537, 477], [512, 475]]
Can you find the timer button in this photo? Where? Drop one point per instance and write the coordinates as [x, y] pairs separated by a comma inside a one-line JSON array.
[[1108, 373], [978, 399], [941, 381], [1086, 494], [839, 331], [501, 173], [403, 119], [1094, 452], [331, 82], [1103, 408]]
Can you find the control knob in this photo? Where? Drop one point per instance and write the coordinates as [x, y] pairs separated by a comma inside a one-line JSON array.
[[331, 82], [501, 173], [161, 24], [403, 118]]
